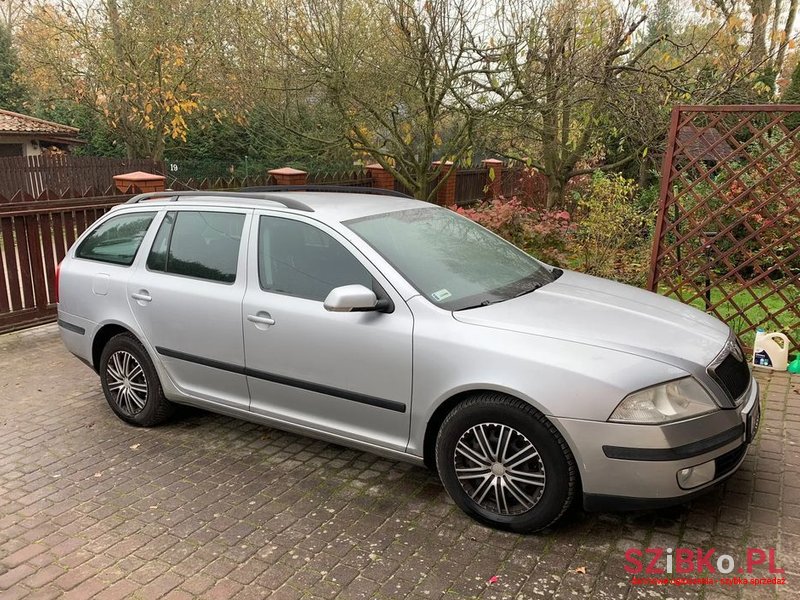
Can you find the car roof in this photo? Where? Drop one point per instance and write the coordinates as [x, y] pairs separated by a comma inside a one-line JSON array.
[[325, 206]]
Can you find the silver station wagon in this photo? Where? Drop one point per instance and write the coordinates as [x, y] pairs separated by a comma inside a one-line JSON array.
[[401, 328]]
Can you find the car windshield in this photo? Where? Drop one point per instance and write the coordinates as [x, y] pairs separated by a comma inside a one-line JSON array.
[[452, 261]]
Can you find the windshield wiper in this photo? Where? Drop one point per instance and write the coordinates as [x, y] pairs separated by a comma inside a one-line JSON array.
[[482, 304], [533, 288]]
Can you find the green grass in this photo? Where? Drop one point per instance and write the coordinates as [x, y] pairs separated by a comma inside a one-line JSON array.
[[764, 316]]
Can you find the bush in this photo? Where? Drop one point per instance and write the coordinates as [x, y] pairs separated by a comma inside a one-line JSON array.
[[542, 233], [610, 239], [613, 234], [647, 199]]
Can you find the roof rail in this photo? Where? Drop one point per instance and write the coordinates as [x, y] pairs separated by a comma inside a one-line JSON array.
[[175, 196], [339, 189]]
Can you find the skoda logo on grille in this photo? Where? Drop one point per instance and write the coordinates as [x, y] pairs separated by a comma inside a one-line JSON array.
[[735, 350]]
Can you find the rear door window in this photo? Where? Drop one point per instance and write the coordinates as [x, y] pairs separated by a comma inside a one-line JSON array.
[[116, 240], [200, 244]]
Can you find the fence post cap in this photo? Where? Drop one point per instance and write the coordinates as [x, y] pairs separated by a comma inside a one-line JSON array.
[[492, 162], [374, 167], [139, 176], [287, 171]]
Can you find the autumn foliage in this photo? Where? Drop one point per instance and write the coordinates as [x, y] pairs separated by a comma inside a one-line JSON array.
[[543, 233], [608, 234]]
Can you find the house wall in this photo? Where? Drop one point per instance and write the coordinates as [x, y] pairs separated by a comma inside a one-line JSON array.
[[30, 147]]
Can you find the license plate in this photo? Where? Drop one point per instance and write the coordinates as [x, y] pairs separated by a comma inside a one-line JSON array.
[[753, 420]]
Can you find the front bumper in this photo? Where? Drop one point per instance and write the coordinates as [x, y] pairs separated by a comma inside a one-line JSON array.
[[626, 466]]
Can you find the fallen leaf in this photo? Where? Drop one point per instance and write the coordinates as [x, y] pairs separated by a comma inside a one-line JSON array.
[[134, 447], [581, 570], [493, 579], [98, 474]]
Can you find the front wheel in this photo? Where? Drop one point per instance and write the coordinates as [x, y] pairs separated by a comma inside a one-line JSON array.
[[505, 464], [130, 383]]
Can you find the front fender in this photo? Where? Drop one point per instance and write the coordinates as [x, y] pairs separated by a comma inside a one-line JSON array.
[[558, 377]]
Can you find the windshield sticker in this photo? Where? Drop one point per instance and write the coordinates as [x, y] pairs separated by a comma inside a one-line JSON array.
[[442, 294]]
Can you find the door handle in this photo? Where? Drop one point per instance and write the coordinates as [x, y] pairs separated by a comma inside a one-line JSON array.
[[261, 319], [142, 296]]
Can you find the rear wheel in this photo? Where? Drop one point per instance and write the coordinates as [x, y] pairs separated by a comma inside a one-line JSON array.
[[130, 383], [505, 464]]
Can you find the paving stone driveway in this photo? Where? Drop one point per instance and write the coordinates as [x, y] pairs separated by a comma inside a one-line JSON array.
[[210, 507]]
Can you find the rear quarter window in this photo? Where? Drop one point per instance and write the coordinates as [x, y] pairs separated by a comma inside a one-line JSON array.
[[116, 240]]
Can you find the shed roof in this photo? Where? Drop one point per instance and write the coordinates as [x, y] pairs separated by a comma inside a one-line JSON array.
[[705, 144], [12, 123]]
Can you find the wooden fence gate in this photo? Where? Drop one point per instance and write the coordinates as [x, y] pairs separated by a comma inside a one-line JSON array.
[[727, 236]]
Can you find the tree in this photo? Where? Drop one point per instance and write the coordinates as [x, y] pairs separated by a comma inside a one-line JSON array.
[[791, 95], [566, 87], [769, 25], [693, 60], [12, 93], [662, 20], [133, 63], [11, 12], [591, 81], [398, 77], [563, 63]]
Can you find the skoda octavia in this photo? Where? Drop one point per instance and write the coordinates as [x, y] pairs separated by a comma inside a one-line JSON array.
[[401, 328]]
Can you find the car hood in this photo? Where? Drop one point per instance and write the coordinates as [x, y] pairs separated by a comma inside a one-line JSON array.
[[603, 313]]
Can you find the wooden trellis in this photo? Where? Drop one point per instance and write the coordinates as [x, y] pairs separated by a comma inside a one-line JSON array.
[[727, 236]]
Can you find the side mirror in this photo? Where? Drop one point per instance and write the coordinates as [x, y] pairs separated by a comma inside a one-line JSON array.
[[348, 298]]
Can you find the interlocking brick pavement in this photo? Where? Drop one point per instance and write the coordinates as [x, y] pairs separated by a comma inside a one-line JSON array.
[[211, 507]]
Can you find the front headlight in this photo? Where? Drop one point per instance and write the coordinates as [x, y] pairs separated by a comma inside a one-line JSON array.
[[665, 403]]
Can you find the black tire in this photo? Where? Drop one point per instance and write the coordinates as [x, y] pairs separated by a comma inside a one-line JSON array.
[[142, 402], [532, 506]]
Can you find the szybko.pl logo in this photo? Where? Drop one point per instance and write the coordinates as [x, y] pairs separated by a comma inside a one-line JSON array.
[[702, 564]]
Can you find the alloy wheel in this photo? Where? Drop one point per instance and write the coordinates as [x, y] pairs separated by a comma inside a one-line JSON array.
[[499, 468], [127, 382]]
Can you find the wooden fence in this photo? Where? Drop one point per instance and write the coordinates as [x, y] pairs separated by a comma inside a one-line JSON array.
[[60, 172], [470, 185], [36, 230], [346, 178], [34, 237], [727, 237], [66, 175]]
